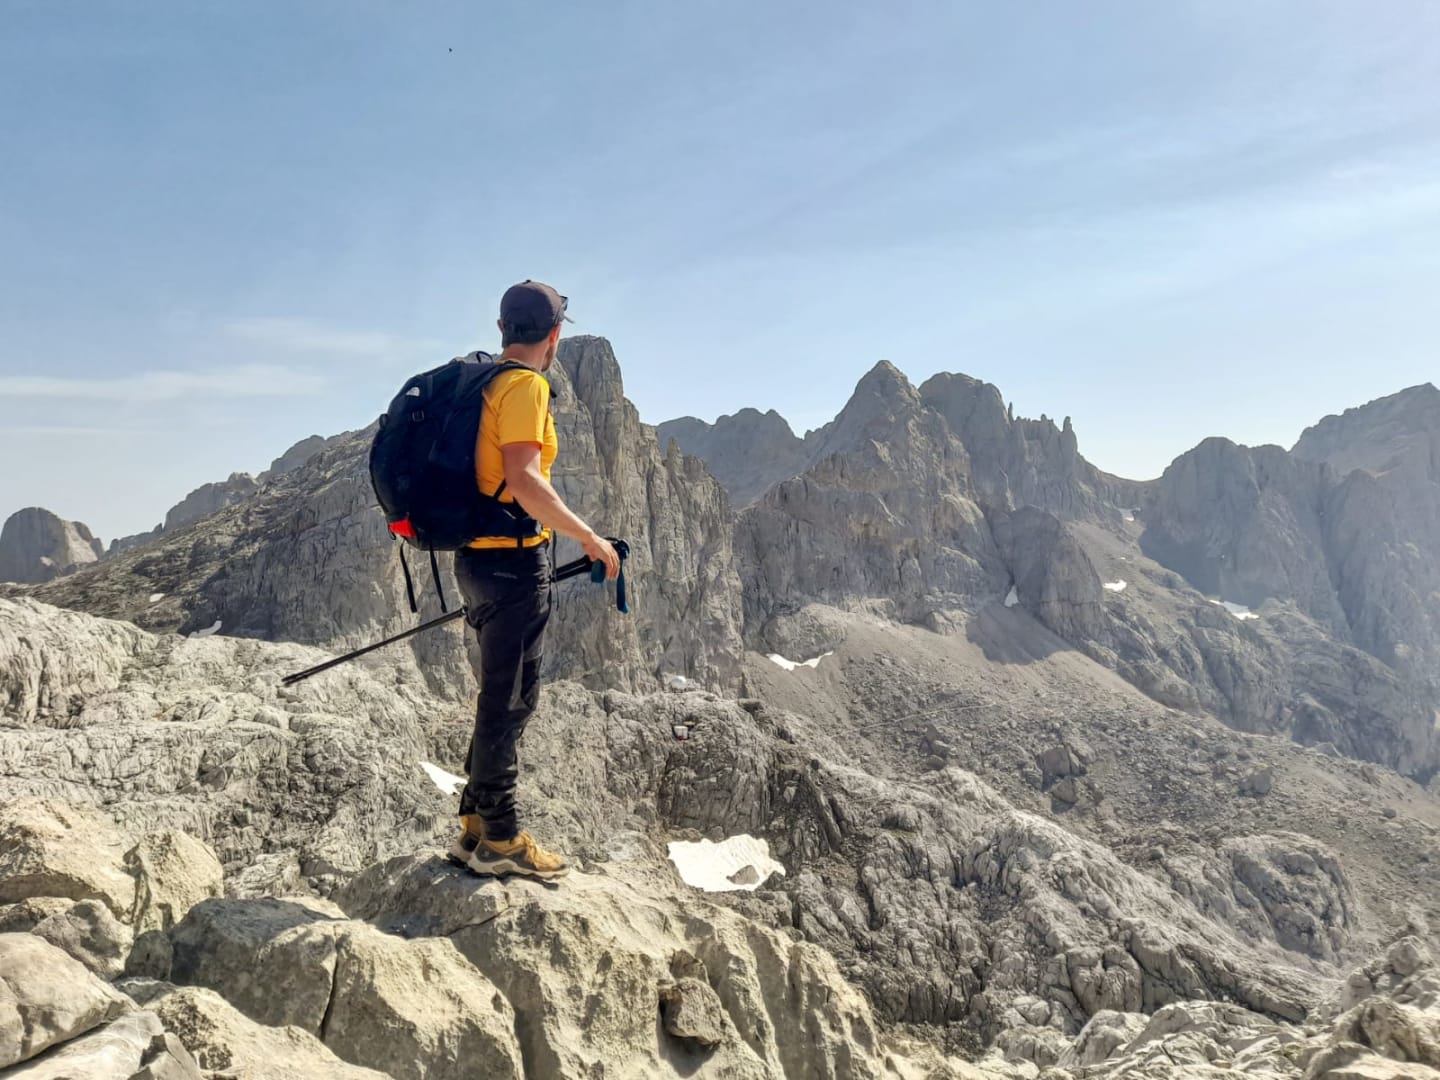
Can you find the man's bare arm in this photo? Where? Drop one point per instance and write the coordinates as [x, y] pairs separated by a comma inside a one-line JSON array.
[[541, 501]]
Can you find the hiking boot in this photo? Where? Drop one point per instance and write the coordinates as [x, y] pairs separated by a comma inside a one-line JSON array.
[[497, 858], [472, 832]]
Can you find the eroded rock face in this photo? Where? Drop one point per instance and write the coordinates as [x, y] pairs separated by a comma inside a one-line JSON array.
[[1344, 526], [1016, 462], [1052, 576], [748, 452], [884, 513], [412, 1009], [196, 735], [37, 546], [208, 499], [49, 849], [226, 1042]]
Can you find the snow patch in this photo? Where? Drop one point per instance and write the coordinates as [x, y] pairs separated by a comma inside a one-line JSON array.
[[1114, 586], [1237, 609], [791, 665], [208, 630], [156, 597], [677, 682], [740, 864], [1012, 597], [447, 782], [1240, 611]]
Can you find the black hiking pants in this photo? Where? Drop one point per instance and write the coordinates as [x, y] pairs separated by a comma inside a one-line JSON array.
[[508, 594]]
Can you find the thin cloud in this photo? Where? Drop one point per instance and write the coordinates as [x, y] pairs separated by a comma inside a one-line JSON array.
[[64, 431], [256, 380], [307, 335]]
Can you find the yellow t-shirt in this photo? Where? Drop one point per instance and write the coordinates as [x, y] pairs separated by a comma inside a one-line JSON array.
[[517, 410]]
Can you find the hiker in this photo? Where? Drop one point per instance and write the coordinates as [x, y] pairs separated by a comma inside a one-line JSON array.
[[507, 582]]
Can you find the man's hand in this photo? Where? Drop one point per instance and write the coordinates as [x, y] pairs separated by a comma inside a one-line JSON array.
[[600, 550]]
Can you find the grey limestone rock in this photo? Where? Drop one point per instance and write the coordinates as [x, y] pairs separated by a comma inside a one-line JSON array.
[[46, 998], [37, 546], [748, 452]]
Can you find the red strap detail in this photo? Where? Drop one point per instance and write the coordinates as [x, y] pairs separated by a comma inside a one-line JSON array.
[[403, 528]]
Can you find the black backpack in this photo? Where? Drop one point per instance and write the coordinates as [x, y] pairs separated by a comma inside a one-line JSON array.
[[422, 465]]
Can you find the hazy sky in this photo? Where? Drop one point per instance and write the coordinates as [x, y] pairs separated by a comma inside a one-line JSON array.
[[228, 226]]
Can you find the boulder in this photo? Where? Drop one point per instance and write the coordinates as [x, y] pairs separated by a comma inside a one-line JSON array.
[[691, 1010], [1397, 1031], [24, 915], [226, 1042], [49, 849], [412, 1008], [46, 997], [134, 1047], [91, 934], [173, 872]]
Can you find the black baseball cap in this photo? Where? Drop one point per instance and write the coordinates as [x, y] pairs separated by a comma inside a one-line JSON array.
[[530, 310]]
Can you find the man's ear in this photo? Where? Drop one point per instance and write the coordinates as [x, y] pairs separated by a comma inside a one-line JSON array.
[[500, 325], [555, 334]]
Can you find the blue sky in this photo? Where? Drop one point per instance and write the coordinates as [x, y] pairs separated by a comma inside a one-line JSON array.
[[226, 227]]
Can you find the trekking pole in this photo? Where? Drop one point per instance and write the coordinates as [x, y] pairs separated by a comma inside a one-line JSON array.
[[582, 565], [291, 680]]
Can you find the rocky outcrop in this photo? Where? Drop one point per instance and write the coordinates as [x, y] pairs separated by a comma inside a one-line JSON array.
[[208, 499], [1395, 434], [37, 546], [1345, 526], [1052, 576], [199, 738], [1016, 462], [297, 456], [747, 452], [1354, 554], [1245, 525], [884, 515]]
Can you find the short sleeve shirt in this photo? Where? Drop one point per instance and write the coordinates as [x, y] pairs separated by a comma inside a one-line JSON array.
[[517, 410]]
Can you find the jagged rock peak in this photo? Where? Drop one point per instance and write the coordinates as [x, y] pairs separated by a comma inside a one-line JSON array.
[[746, 420], [296, 456], [1018, 461], [882, 379], [880, 396], [208, 498], [1401, 429], [592, 367], [747, 451], [37, 546]]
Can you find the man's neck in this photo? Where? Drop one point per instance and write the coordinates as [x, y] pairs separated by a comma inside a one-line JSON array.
[[520, 355]]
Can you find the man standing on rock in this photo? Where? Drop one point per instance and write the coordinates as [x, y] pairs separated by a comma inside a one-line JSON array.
[[507, 583]]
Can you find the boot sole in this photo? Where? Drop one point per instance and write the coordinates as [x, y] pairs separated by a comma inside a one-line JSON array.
[[502, 868]]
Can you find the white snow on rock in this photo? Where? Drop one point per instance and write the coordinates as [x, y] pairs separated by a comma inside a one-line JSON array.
[[1127, 515], [447, 782], [208, 630], [677, 682], [1114, 586], [1240, 611], [1012, 597], [791, 665], [156, 597], [740, 864]]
